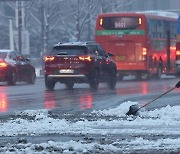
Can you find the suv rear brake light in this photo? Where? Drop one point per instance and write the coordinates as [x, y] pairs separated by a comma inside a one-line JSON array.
[[48, 58], [3, 64], [85, 58], [178, 53]]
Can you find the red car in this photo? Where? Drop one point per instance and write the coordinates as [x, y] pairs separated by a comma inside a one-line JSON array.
[[81, 62], [14, 67]]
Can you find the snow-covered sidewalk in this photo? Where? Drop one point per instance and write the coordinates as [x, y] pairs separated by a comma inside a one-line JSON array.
[[103, 131]]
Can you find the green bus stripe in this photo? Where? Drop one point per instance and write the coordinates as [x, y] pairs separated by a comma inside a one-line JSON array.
[[120, 32]]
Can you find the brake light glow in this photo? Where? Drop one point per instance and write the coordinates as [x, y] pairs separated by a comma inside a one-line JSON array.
[[48, 58], [140, 21], [144, 52], [178, 53], [101, 21], [3, 102], [3, 64], [172, 48], [108, 61], [85, 58]]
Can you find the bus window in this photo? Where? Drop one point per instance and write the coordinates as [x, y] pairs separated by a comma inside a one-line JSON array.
[[160, 29], [152, 28], [173, 27]]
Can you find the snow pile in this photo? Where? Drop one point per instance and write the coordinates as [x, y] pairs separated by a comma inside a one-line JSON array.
[[60, 147], [158, 129], [120, 111]]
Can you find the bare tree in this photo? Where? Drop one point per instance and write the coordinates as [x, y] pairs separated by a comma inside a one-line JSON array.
[[51, 21], [45, 14], [77, 16]]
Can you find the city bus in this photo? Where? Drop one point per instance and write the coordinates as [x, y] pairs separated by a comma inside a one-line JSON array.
[[143, 43]]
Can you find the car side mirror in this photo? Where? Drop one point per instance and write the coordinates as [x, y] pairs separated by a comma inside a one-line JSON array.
[[27, 59], [110, 54], [20, 58]]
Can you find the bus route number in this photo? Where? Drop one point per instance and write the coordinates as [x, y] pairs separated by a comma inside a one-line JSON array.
[[120, 25]]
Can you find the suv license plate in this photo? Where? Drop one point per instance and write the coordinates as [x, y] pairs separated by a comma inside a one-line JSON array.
[[66, 71]]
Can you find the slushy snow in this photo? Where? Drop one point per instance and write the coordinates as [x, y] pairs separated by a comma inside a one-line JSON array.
[[159, 122]]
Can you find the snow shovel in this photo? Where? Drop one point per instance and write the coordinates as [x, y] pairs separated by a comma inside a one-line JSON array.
[[133, 110]]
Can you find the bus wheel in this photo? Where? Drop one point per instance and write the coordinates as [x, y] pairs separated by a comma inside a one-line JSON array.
[[148, 76], [159, 73], [120, 77], [138, 76]]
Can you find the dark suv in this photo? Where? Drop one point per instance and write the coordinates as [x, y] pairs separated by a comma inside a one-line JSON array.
[[80, 62]]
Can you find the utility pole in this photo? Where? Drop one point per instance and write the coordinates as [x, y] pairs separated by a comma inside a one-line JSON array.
[[20, 20], [22, 33], [11, 40], [89, 21], [19, 23], [42, 26]]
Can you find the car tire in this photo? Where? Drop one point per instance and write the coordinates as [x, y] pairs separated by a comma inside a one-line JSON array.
[[12, 79], [94, 80], [32, 78], [138, 76], [49, 83], [112, 79], [69, 85]]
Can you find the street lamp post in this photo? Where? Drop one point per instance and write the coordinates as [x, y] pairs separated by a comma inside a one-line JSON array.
[[19, 20], [19, 8], [42, 26]]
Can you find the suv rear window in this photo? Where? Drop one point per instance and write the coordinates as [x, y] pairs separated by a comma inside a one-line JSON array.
[[69, 50]]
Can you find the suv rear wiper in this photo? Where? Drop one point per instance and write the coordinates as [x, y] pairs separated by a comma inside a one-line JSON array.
[[62, 53]]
